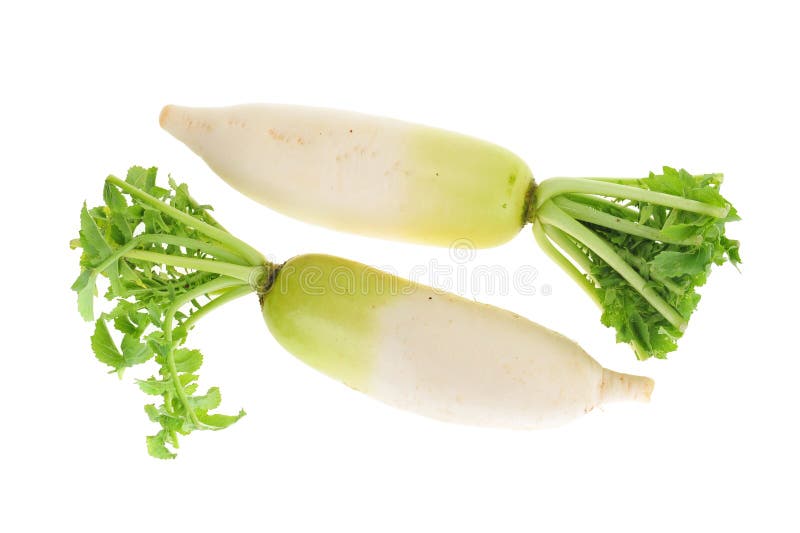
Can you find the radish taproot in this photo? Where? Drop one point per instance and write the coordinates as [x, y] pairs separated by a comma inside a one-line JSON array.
[[169, 263], [637, 247]]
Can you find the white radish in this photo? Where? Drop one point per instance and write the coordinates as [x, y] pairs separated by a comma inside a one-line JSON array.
[[362, 174], [435, 353]]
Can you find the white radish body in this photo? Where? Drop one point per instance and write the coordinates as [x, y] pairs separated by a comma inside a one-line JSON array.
[[436, 354], [362, 174], [506, 372]]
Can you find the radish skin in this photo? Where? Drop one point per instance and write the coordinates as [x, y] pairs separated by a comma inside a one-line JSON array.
[[362, 174], [435, 353]]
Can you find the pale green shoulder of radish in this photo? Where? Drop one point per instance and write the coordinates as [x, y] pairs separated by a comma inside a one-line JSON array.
[[637, 247], [169, 262]]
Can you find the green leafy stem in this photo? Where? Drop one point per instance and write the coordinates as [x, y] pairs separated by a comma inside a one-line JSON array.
[[638, 247], [168, 263]]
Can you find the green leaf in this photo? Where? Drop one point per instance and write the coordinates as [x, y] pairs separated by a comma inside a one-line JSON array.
[[157, 344], [152, 412], [91, 239], [177, 422], [129, 275], [97, 249], [188, 360], [208, 401], [142, 178], [674, 264], [169, 421], [104, 348], [682, 231], [218, 421], [112, 273], [123, 324], [122, 230], [732, 250], [187, 378], [156, 446], [708, 196], [128, 319], [133, 351], [86, 289], [154, 387], [113, 198], [669, 182]]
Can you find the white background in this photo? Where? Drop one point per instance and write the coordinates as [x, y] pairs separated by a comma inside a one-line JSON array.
[[575, 89]]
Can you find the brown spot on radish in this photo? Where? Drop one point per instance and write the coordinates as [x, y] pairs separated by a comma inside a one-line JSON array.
[[276, 135], [203, 125]]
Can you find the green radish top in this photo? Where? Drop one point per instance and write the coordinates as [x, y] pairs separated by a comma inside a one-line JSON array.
[[638, 247], [168, 263]]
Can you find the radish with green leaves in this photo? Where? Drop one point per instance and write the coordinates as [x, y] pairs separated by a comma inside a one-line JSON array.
[[638, 247], [169, 263]]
